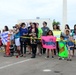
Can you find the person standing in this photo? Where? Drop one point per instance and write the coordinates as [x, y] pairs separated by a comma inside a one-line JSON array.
[[50, 33], [74, 37], [39, 39], [0, 41], [70, 45], [45, 29], [56, 28], [6, 40], [29, 45], [67, 34], [23, 40], [33, 33], [17, 39]]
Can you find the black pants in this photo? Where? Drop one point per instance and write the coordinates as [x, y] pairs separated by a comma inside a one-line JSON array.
[[44, 50], [54, 51], [23, 45], [57, 48], [34, 49]]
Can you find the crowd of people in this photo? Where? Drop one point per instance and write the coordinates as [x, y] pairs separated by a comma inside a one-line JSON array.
[[29, 37]]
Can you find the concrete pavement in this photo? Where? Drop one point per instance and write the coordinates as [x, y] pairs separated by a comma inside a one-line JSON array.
[[37, 66]]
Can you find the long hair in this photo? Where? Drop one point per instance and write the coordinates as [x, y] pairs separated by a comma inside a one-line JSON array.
[[53, 27], [6, 27], [35, 26], [74, 26], [50, 31], [67, 26], [58, 27]]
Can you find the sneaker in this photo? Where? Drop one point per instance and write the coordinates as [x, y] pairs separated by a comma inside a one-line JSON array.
[[21, 55], [24, 55], [33, 57], [70, 59], [39, 54], [52, 56], [60, 58], [47, 56], [67, 59], [29, 53]]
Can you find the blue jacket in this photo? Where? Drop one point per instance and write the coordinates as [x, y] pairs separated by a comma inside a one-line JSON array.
[[23, 31]]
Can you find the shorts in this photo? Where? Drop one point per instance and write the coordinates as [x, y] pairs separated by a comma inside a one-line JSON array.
[[17, 42], [72, 48]]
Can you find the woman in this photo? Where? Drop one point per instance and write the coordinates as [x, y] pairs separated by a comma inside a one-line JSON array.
[[66, 28], [5, 40], [17, 39], [23, 41], [33, 34], [56, 28], [45, 29]]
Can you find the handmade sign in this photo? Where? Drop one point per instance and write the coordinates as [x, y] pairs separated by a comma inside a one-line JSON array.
[[48, 42], [57, 35], [4, 37]]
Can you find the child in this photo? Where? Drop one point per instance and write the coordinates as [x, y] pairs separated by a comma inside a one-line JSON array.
[[11, 43], [70, 45], [66, 37], [74, 37], [50, 33], [63, 52]]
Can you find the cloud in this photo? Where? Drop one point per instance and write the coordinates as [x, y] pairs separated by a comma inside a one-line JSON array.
[[71, 12], [13, 10]]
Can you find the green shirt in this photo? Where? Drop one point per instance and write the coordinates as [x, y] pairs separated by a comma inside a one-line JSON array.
[[39, 32]]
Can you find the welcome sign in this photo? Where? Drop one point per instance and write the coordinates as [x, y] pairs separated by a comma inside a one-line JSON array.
[[48, 42]]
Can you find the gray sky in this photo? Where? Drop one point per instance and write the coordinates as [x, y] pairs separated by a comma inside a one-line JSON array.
[[13, 10]]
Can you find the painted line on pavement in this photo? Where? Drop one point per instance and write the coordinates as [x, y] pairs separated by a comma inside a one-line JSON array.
[[3, 67], [46, 70]]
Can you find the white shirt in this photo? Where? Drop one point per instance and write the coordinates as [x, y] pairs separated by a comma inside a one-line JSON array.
[[74, 36]]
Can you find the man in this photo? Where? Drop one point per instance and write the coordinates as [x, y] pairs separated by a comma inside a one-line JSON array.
[[39, 36], [45, 29]]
